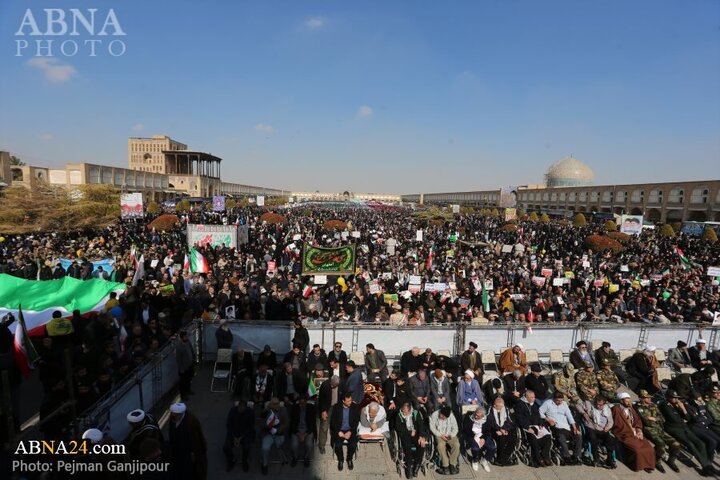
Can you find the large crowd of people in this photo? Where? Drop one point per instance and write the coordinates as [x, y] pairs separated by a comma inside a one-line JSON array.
[[490, 274]]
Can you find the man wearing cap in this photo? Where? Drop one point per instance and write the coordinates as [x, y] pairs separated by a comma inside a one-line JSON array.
[[564, 382], [598, 421], [557, 415], [581, 355], [699, 355], [587, 382], [375, 365], [142, 426], [354, 384], [468, 391], [188, 448], [606, 352], [608, 381], [471, 360], [628, 428], [513, 359], [712, 402], [654, 430], [692, 385], [679, 357], [675, 414], [275, 428]]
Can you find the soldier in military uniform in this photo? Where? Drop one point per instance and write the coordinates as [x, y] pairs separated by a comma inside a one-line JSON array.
[[606, 353], [587, 382], [702, 425], [675, 413], [712, 403], [654, 423], [564, 382], [608, 381]]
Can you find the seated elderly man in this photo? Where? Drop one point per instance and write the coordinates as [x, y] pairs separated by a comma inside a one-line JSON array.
[[439, 390], [373, 423], [445, 429], [468, 390], [411, 429], [477, 431], [513, 359], [420, 390], [598, 421], [503, 431]]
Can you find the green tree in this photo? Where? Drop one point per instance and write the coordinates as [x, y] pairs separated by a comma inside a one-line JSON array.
[[544, 218], [533, 217], [153, 208], [182, 206], [610, 226], [709, 235], [16, 162], [579, 220], [667, 230]]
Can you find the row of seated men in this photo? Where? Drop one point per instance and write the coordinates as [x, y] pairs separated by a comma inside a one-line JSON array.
[[691, 421]]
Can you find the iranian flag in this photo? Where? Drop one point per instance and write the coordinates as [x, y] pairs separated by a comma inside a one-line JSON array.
[[25, 354], [40, 299], [686, 262], [198, 263], [186, 263], [485, 299], [312, 389]]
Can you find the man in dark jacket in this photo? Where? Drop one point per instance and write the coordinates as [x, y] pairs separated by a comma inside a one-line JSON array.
[[223, 335], [243, 369], [375, 364], [301, 337], [343, 428], [329, 395], [303, 430], [411, 429], [410, 361], [297, 359], [503, 431], [338, 354], [537, 383], [240, 433], [527, 417], [262, 385], [317, 356], [290, 384], [354, 384]]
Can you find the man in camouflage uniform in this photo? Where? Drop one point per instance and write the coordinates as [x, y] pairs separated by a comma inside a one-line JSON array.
[[587, 382], [712, 403], [654, 424], [564, 382], [608, 381]]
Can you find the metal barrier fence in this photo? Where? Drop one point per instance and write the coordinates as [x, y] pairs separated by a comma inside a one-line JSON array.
[[145, 388], [253, 335]]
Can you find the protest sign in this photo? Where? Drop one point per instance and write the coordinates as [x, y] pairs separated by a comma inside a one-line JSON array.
[[558, 282], [390, 298], [489, 285], [374, 287], [599, 283], [328, 261], [243, 234], [355, 234], [415, 288], [260, 201], [631, 224], [218, 203], [131, 205], [546, 272], [419, 236], [713, 271], [507, 249], [456, 208], [510, 214], [215, 235], [415, 280], [539, 281], [230, 312], [320, 280]]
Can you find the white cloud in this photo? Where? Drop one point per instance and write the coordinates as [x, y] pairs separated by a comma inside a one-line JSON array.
[[54, 70], [46, 137], [263, 128], [138, 127], [365, 112], [315, 22]]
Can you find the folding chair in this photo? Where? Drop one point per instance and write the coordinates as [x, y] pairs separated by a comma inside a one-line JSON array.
[[626, 353], [661, 356], [489, 362], [222, 369], [533, 357], [688, 370], [664, 374], [557, 359]]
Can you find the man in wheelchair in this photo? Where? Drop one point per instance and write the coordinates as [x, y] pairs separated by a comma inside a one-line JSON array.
[[411, 430], [444, 428]]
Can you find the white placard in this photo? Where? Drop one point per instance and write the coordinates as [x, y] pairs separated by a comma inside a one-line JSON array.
[[344, 234], [716, 319], [355, 234], [558, 281], [456, 208], [489, 285], [154, 263], [586, 264], [415, 280], [230, 312], [260, 201], [507, 249], [624, 268], [320, 280], [374, 287], [297, 236], [713, 271], [419, 236]]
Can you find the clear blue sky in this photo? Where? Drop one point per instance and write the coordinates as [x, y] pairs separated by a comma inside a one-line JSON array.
[[380, 96]]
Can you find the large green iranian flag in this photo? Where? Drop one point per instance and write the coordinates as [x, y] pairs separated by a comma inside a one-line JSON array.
[[39, 299], [328, 261]]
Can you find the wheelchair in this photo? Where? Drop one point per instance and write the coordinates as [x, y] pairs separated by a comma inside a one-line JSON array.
[[523, 450], [397, 454]]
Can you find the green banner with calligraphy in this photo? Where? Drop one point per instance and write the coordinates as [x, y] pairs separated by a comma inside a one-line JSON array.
[[328, 261]]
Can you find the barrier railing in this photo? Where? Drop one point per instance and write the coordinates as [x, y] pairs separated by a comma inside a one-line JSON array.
[[144, 388], [253, 335]]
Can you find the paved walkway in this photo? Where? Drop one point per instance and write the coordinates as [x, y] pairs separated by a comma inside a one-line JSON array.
[[372, 463]]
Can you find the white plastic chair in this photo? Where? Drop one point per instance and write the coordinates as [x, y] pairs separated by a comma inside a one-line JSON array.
[[222, 370]]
